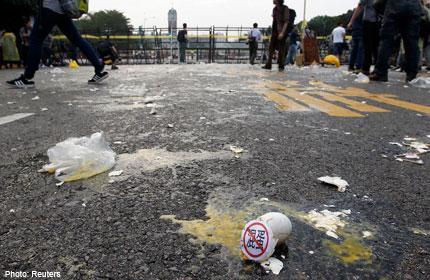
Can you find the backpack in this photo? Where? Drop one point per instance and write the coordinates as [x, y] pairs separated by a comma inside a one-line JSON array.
[[74, 8], [291, 20]]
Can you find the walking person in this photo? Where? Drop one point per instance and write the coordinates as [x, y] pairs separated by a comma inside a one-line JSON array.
[[404, 17], [292, 51], [356, 57], [254, 37], [278, 41], [371, 27], [183, 42], [52, 15], [339, 34]]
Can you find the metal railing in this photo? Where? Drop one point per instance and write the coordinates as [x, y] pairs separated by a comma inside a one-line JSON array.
[[205, 45]]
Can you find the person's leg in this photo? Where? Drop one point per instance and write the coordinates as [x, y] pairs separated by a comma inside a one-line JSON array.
[[360, 54], [67, 26], [376, 40], [368, 46], [409, 30], [282, 51], [42, 27], [254, 52], [272, 48], [354, 53], [388, 31]]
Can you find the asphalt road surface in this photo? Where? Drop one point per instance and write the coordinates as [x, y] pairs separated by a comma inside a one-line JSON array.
[[178, 209]]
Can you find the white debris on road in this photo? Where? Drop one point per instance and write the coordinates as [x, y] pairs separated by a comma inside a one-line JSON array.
[[335, 181], [274, 265], [116, 173], [328, 221]]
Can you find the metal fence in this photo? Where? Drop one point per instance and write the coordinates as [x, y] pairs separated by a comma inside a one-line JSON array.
[[157, 46]]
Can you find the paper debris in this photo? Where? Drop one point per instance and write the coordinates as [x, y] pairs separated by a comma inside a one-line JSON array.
[[236, 150], [43, 109], [116, 173], [35, 98], [274, 265], [59, 184], [264, 199], [327, 220], [396, 144], [332, 234], [367, 234], [311, 252], [11, 211], [335, 181]]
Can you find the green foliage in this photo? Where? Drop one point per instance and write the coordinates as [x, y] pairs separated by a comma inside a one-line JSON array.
[[324, 25], [12, 12], [104, 22]]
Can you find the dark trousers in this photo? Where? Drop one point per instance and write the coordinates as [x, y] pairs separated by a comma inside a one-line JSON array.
[[371, 43], [281, 46], [182, 52], [401, 16], [42, 27], [24, 54], [357, 53], [253, 48]]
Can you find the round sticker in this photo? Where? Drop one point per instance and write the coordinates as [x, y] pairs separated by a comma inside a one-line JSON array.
[[256, 241]]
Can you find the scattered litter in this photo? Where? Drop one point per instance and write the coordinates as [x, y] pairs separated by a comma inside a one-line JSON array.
[[236, 150], [364, 102], [14, 117], [11, 103], [329, 206], [11, 211], [283, 257], [264, 199], [80, 158], [116, 173], [327, 220], [419, 115], [362, 79], [347, 133], [43, 109], [272, 140], [332, 60], [405, 86], [94, 89], [57, 71], [70, 104], [73, 64], [384, 156], [84, 205], [311, 252], [153, 111], [367, 234], [232, 90], [202, 118], [111, 181], [420, 231], [410, 139], [274, 265], [260, 237], [396, 144], [35, 98], [332, 234], [59, 184], [170, 125], [335, 181], [421, 82]]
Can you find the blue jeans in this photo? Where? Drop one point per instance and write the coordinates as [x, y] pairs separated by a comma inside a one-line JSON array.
[[292, 52], [42, 27], [357, 53]]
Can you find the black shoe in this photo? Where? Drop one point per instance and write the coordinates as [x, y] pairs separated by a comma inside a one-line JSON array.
[[281, 69], [376, 78], [410, 77], [114, 67], [267, 67], [98, 78], [21, 82]]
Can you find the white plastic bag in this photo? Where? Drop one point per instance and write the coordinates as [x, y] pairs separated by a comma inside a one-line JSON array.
[[80, 158], [362, 79], [421, 82]]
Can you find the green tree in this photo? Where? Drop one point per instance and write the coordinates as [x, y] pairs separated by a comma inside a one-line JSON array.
[[105, 22], [324, 25]]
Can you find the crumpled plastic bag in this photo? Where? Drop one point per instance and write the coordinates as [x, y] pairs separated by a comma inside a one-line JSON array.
[[421, 82], [362, 79], [80, 158]]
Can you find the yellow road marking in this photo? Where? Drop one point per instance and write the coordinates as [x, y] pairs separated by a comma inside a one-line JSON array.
[[321, 105], [382, 98], [285, 103], [358, 106]]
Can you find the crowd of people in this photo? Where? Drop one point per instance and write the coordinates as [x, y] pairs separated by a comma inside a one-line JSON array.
[[379, 29]]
